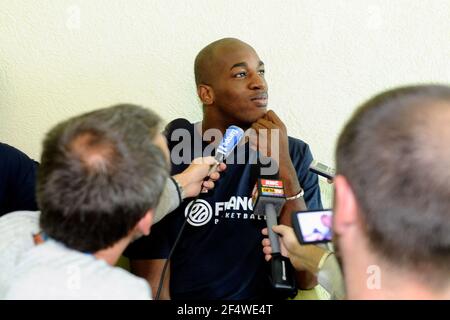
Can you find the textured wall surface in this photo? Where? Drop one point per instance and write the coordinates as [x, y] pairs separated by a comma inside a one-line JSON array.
[[323, 57]]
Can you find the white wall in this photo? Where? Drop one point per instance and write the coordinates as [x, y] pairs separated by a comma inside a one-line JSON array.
[[323, 57]]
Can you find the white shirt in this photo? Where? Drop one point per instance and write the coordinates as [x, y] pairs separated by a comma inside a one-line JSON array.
[[16, 237], [53, 271]]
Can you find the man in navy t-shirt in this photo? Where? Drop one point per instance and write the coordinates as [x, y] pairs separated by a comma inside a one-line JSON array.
[[219, 254], [17, 180]]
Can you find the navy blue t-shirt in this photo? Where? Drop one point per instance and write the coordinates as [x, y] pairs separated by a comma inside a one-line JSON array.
[[219, 255], [17, 180]]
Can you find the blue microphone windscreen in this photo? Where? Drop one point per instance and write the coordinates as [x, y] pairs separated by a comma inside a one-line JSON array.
[[230, 140]]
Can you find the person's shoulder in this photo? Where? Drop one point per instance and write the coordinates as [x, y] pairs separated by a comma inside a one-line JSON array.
[[10, 152], [117, 283], [16, 231], [53, 266], [298, 147], [17, 225], [101, 280], [16, 164], [6, 148], [21, 215], [297, 142], [74, 281]]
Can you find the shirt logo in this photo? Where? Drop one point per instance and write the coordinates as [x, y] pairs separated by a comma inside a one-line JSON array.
[[199, 214], [236, 208]]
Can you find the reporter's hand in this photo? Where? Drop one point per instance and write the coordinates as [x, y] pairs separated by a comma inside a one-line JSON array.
[[192, 179], [302, 257], [288, 241]]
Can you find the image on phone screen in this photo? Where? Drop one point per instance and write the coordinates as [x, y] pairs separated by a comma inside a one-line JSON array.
[[313, 226]]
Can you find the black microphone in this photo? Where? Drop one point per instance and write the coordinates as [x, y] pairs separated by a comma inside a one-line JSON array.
[[176, 124], [268, 199], [179, 123]]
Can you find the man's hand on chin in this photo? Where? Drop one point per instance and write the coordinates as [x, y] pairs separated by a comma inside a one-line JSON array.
[[269, 137]]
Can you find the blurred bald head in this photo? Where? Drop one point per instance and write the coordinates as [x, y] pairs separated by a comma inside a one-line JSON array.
[[395, 154]]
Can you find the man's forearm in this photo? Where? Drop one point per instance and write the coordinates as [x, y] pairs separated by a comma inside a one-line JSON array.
[[291, 188], [288, 174], [168, 201]]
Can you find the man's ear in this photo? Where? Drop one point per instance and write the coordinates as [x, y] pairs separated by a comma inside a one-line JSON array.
[[206, 94], [144, 225], [345, 206]]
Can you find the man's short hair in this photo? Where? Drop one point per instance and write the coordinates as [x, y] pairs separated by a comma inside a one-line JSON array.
[[395, 154], [100, 173]]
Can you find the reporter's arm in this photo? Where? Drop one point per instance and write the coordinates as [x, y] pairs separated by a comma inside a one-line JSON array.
[[186, 184], [168, 201]]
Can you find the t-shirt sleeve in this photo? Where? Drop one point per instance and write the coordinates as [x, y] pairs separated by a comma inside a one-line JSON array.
[[301, 158]]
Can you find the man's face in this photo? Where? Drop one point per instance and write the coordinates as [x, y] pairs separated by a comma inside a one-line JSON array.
[[240, 89], [326, 220]]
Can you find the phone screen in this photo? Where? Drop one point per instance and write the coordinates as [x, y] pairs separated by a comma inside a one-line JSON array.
[[313, 226]]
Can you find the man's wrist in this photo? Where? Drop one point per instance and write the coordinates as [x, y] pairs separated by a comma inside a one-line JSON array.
[[313, 258], [179, 186]]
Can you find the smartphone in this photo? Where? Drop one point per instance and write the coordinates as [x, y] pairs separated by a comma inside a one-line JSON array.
[[322, 170], [313, 226]]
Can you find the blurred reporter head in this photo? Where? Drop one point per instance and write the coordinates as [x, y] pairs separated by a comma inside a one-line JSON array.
[[101, 176], [392, 195]]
